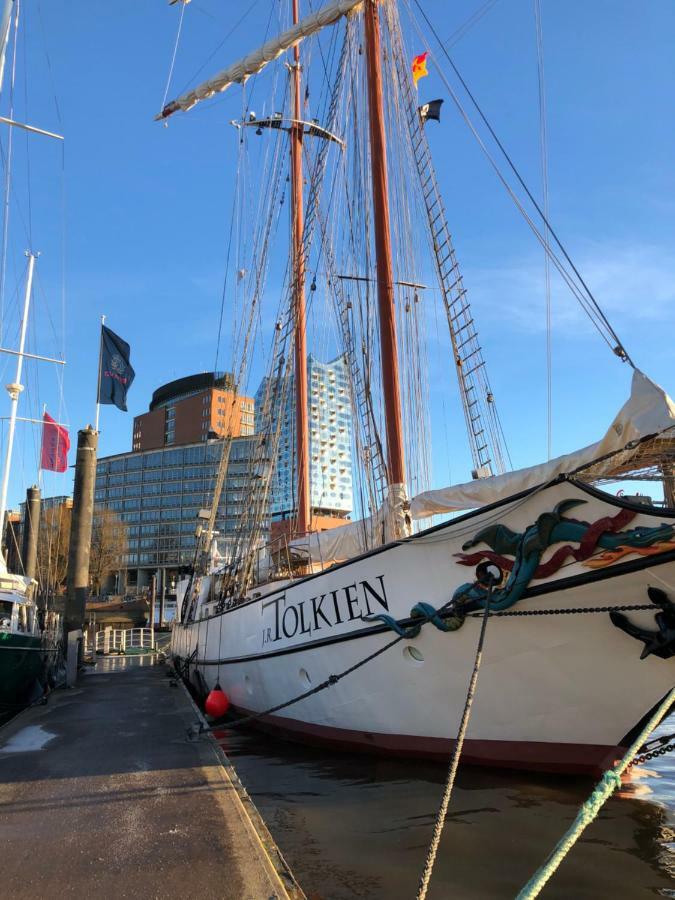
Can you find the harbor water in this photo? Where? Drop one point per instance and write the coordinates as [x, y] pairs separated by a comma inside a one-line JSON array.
[[357, 826]]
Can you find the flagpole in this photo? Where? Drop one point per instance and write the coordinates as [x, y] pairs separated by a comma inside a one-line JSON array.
[[98, 383]]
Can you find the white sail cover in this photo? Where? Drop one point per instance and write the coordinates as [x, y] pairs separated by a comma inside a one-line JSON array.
[[256, 61], [390, 523], [648, 411]]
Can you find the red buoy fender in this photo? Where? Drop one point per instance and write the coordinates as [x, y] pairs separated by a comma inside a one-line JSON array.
[[217, 703]]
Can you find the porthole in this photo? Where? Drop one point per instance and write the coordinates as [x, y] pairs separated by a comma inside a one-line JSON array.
[[413, 655], [304, 677]]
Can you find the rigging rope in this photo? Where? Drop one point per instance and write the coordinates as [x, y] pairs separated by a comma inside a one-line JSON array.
[[27, 137], [543, 148], [473, 19], [221, 43], [457, 752], [8, 169], [328, 682], [580, 290], [486, 438], [173, 56], [225, 280]]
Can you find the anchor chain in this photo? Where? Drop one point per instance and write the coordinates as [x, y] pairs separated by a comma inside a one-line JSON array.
[[661, 745], [569, 611]]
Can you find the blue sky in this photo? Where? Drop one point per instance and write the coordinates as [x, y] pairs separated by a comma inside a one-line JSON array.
[[132, 217]]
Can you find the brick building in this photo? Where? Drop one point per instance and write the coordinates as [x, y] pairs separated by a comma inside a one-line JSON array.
[[192, 409]]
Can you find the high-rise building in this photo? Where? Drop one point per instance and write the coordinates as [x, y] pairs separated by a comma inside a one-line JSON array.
[[193, 409], [158, 489], [330, 441], [157, 495]]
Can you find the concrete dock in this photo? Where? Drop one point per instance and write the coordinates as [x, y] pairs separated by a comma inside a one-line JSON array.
[[102, 794]]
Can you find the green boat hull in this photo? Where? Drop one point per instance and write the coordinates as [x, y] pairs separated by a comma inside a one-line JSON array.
[[21, 664]]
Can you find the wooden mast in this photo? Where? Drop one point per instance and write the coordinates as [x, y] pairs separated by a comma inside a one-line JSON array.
[[303, 519], [385, 278]]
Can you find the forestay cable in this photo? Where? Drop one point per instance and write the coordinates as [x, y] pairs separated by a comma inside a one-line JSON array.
[[543, 148], [175, 51], [581, 290]]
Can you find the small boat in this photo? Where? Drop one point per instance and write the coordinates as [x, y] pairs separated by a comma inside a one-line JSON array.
[[579, 583], [27, 645]]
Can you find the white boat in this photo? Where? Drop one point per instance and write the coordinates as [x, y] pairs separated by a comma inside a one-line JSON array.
[[580, 643]]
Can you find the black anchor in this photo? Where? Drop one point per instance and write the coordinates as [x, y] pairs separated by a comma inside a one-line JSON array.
[[660, 643]]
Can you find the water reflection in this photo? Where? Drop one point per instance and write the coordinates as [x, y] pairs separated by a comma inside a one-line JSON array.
[[105, 665], [354, 826]]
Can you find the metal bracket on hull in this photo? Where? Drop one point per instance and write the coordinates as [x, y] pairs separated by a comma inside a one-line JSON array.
[[659, 643]]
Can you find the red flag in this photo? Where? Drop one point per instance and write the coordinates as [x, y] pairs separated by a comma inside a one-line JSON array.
[[55, 445], [419, 67]]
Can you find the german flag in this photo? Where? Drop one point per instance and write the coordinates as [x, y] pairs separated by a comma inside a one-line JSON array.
[[419, 67]]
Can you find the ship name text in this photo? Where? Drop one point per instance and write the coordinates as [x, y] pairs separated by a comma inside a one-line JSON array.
[[353, 601]]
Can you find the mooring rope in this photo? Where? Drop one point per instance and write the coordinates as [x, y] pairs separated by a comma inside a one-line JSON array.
[[329, 682], [406, 629], [454, 762], [604, 789]]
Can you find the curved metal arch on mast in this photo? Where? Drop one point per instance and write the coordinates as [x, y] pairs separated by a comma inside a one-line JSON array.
[[278, 122]]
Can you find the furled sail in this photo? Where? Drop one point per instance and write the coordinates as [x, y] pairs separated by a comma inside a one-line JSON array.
[[649, 411], [256, 61], [389, 523]]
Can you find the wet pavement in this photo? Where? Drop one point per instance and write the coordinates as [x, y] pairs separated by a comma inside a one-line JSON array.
[[102, 794]]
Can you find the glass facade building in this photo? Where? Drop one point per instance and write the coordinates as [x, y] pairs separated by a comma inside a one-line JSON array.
[[330, 441], [157, 495]]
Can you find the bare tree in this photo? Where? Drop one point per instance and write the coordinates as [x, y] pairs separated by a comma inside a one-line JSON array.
[[108, 547], [52, 549]]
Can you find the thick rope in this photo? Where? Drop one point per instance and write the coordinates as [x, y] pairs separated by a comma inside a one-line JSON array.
[[604, 789], [454, 762]]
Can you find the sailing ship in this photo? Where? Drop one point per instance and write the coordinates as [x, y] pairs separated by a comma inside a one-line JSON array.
[[579, 583], [29, 634]]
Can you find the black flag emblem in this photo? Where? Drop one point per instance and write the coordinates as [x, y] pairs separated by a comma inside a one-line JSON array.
[[116, 371], [431, 110]]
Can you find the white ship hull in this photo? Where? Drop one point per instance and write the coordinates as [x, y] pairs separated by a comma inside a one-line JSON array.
[[555, 692]]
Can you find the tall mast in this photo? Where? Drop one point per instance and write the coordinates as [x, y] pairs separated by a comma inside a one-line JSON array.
[[5, 20], [15, 388], [303, 521], [385, 277]]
